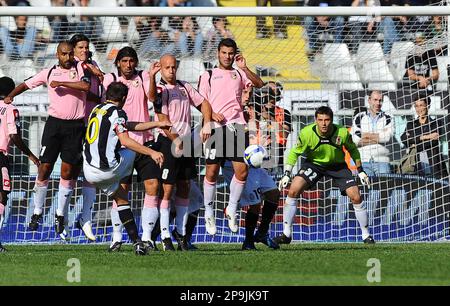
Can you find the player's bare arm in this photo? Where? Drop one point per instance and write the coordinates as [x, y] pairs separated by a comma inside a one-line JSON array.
[[80, 85], [18, 141], [131, 144], [144, 126], [207, 112], [242, 64], [17, 91], [154, 69]]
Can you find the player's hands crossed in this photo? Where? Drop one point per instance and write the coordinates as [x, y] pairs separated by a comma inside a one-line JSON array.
[[205, 132], [165, 124], [54, 84]]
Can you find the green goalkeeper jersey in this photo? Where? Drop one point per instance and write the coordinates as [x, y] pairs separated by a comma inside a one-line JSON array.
[[323, 151]]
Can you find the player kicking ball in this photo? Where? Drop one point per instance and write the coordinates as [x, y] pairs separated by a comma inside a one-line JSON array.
[[322, 143], [109, 154]]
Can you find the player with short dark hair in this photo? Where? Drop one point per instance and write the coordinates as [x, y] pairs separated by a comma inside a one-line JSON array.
[[9, 133], [172, 100], [106, 162], [136, 107], [223, 87], [80, 43], [63, 132], [322, 144]]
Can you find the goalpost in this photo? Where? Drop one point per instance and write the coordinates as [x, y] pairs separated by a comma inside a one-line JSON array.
[[337, 64]]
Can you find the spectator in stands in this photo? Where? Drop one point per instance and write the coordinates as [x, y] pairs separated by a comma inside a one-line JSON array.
[[371, 131], [279, 26], [393, 26], [172, 3], [318, 26], [59, 24], [362, 28], [157, 40], [422, 70], [191, 39], [215, 35], [21, 42], [423, 134]]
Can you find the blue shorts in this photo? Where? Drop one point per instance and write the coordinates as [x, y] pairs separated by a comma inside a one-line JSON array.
[[258, 182]]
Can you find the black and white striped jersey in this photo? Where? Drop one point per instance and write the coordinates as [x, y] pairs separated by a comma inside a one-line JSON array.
[[102, 145]]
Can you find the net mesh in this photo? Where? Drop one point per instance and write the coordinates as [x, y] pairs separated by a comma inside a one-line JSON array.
[[334, 62]]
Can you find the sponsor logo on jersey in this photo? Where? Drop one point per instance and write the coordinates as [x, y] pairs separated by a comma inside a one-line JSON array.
[[72, 74], [135, 83], [338, 140]]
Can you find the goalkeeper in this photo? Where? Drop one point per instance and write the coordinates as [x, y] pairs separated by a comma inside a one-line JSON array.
[[322, 143]]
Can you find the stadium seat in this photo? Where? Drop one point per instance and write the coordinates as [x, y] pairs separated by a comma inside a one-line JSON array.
[[112, 30], [443, 62], [21, 70], [399, 53], [339, 67], [40, 2], [105, 3], [113, 48], [373, 68], [190, 69]]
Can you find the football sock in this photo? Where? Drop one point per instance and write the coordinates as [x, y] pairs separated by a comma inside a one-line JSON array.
[[149, 216], [127, 219], [289, 210], [361, 216], [209, 191], [89, 193], [40, 188], [251, 219], [236, 188], [191, 223], [164, 219], [64, 193], [117, 224], [181, 206], [2, 215], [268, 211]]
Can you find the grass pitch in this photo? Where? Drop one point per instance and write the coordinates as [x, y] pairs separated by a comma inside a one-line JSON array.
[[225, 264]]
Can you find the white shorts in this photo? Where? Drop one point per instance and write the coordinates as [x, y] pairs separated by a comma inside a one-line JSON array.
[[108, 181], [258, 182]]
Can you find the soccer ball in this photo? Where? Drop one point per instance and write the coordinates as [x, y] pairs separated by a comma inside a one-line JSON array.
[[254, 156]]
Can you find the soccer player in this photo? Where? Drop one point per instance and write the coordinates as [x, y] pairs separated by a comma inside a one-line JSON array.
[[136, 108], [259, 187], [322, 143], [172, 101], [9, 132], [80, 43], [63, 132], [106, 163], [222, 87]]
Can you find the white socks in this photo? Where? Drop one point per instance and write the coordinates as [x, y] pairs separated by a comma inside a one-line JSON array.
[[236, 188], [40, 189], [117, 224], [149, 217], [361, 216], [209, 191], [289, 210], [89, 193], [64, 194]]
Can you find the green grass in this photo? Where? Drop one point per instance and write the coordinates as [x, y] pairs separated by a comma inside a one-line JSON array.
[[225, 264]]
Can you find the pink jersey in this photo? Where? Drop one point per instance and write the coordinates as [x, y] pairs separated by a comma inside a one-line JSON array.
[[65, 103], [136, 105], [9, 124], [94, 89], [224, 91], [175, 101]]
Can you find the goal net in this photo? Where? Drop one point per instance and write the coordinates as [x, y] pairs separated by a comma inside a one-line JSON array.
[[339, 61]]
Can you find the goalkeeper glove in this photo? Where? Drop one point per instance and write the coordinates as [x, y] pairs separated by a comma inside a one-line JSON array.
[[363, 177], [284, 182]]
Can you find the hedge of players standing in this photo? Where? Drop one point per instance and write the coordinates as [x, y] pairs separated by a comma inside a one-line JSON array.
[[117, 139]]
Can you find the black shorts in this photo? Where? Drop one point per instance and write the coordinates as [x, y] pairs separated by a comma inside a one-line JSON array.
[[146, 167], [63, 137], [226, 143], [340, 174], [175, 169], [5, 185]]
